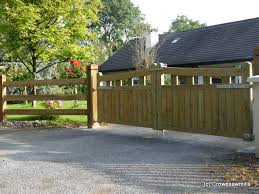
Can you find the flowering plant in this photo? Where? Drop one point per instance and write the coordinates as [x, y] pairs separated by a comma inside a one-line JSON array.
[[75, 70], [53, 104]]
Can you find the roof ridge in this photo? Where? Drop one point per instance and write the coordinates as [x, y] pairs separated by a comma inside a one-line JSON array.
[[222, 24]]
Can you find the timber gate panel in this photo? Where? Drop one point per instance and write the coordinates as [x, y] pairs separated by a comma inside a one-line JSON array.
[[205, 110], [126, 105], [214, 109]]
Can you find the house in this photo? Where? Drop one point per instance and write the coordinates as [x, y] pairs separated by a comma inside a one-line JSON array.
[[223, 45]]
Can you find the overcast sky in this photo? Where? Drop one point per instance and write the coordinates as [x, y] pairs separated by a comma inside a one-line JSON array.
[[159, 13]]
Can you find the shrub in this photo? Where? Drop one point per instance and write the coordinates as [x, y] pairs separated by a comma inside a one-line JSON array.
[[74, 70], [53, 104]]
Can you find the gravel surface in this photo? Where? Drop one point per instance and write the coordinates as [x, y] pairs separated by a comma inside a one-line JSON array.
[[115, 159], [36, 124]]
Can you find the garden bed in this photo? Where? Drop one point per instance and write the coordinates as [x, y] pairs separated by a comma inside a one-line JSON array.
[[41, 121], [41, 124]]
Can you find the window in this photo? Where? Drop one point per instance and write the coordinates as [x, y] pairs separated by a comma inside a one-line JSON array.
[[175, 40]]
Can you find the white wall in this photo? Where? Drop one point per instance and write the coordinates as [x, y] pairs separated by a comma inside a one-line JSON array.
[[152, 39]]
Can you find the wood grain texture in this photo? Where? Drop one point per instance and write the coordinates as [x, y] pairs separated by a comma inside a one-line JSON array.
[[46, 112], [123, 76], [3, 103], [234, 71], [60, 82], [92, 106], [222, 109], [81, 97], [175, 71]]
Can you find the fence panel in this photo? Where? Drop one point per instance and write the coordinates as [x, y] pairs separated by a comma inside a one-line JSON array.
[[90, 97], [125, 105], [206, 110]]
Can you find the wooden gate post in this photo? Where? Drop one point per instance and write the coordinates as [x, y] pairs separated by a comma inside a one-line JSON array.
[[92, 73], [255, 80], [2, 100], [156, 99]]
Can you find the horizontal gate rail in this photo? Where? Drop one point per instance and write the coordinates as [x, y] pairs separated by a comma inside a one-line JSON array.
[[208, 87], [46, 112], [60, 82], [175, 71], [17, 98], [221, 72], [124, 76]]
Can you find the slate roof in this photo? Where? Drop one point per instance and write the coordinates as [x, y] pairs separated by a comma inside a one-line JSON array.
[[223, 43], [123, 59]]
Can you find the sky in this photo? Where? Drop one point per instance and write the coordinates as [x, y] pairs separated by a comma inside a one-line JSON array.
[[160, 13]]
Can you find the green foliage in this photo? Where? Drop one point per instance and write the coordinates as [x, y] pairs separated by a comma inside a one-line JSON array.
[[15, 74], [42, 33], [120, 20], [75, 104], [183, 23]]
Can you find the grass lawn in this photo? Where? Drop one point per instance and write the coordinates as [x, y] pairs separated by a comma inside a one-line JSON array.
[[40, 105]]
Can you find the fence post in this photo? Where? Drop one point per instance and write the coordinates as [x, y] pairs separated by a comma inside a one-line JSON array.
[[156, 99], [92, 72], [255, 80], [3, 102], [254, 70]]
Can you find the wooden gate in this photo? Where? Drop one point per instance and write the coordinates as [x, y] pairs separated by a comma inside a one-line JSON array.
[[180, 104]]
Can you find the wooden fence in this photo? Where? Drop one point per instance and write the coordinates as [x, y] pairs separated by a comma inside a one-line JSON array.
[[182, 104], [217, 109], [90, 97]]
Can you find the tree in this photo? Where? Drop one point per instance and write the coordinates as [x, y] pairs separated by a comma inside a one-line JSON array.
[[42, 33], [183, 23], [145, 57], [120, 20]]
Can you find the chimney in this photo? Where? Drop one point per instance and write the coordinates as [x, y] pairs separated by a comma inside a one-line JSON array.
[[152, 39]]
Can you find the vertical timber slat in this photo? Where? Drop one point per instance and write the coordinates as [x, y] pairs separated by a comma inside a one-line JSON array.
[[226, 80], [154, 79], [3, 102], [142, 81], [207, 80], [118, 83], [92, 73]]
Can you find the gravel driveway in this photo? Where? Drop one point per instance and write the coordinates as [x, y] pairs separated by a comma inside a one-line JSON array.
[[115, 159]]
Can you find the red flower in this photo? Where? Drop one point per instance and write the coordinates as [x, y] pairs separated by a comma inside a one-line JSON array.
[[75, 62], [67, 70], [70, 73]]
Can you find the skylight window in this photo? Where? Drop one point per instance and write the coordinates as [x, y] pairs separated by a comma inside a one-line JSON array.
[[175, 40]]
